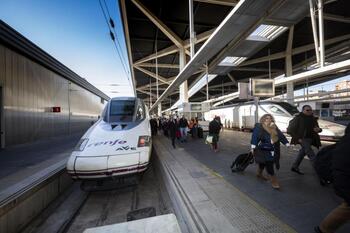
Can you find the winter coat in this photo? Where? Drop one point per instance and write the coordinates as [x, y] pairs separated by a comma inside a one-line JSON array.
[[261, 138], [341, 167], [172, 126], [296, 129], [183, 123], [214, 127]]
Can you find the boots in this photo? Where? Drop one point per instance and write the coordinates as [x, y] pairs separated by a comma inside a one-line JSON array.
[[274, 182], [260, 175]]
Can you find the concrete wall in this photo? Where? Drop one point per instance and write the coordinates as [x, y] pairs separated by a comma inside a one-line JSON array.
[[29, 91]]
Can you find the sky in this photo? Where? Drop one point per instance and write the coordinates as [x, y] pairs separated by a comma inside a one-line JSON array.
[[75, 32]]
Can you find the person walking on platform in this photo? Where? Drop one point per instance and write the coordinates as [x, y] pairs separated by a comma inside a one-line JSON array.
[[304, 130], [183, 128], [265, 145], [154, 126], [341, 184], [172, 126], [214, 130]]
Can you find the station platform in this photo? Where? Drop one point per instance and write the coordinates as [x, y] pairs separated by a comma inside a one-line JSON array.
[[222, 201], [20, 162]]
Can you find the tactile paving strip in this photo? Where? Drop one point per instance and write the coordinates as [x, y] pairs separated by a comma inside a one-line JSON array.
[[242, 212]]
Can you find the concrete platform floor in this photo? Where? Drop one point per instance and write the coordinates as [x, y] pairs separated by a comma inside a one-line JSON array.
[[19, 162], [301, 202]]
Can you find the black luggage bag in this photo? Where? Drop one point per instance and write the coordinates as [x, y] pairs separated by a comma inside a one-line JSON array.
[[323, 164], [242, 161], [200, 132]]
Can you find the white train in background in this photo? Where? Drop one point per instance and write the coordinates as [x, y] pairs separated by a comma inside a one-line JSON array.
[[242, 116], [118, 144]]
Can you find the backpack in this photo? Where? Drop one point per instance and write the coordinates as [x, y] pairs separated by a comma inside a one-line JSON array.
[[242, 161], [292, 126], [323, 164]]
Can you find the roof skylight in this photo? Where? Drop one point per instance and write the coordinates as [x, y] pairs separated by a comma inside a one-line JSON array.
[[266, 31], [232, 61]]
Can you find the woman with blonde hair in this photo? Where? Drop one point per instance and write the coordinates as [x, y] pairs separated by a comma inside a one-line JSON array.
[[265, 145]]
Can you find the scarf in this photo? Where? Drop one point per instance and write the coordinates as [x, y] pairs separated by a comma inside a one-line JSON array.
[[272, 130]]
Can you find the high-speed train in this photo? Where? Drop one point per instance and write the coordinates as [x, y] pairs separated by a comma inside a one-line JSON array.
[[118, 144], [242, 116]]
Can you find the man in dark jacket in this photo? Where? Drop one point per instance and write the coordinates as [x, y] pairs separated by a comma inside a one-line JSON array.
[[341, 184], [172, 126], [304, 130], [214, 130], [183, 128]]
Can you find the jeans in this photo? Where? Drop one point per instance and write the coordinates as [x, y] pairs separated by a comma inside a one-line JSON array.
[[336, 218], [269, 167], [183, 134], [305, 150]]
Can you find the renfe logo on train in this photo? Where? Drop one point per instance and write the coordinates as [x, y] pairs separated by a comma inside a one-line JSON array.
[[110, 143]]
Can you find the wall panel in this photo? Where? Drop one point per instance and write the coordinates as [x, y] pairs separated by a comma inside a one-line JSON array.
[[31, 90]]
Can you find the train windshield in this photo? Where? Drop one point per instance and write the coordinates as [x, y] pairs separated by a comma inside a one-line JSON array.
[[292, 110], [121, 110]]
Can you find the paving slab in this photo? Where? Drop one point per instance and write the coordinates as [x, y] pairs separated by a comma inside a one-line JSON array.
[[217, 204], [301, 202]]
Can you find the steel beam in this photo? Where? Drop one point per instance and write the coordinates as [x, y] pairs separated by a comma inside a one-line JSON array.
[[128, 44], [321, 31], [220, 2], [153, 75], [169, 33], [322, 71], [212, 47], [192, 38], [174, 49], [314, 29], [335, 18], [295, 51], [152, 65]]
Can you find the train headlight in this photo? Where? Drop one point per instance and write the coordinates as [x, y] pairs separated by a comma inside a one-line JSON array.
[[144, 141], [81, 144]]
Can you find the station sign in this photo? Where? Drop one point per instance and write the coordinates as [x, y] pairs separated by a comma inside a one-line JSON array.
[[262, 87]]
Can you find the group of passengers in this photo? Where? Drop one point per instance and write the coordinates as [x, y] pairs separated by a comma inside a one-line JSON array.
[[176, 127], [265, 146], [304, 130]]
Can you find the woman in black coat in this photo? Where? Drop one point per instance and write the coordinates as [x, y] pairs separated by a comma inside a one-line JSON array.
[[265, 144], [341, 183]]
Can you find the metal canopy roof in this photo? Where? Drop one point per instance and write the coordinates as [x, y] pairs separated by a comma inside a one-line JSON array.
[[151, 24]]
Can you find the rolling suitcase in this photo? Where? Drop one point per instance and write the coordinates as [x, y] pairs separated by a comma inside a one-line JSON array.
[[200, 132], [242, 161]]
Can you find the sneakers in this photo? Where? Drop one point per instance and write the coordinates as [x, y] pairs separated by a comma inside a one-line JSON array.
[[296, 170]]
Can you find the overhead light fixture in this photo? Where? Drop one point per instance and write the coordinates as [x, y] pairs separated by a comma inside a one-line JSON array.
[[269, 32], [232, 61]]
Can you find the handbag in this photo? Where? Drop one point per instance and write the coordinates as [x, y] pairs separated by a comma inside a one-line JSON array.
[[209, 140], [260, 156]]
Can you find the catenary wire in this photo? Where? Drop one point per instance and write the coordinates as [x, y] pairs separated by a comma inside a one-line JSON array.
[[114, 42]]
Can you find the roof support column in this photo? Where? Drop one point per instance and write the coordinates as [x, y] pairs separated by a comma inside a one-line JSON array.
[[207, 80], [192, 37], [321, 31], [314, 30], [289, 66], [183, 86]]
